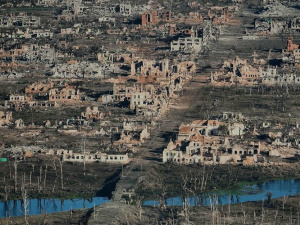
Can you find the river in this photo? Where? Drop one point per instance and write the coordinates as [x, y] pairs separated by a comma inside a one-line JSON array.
[[40, 206], [252, 192]]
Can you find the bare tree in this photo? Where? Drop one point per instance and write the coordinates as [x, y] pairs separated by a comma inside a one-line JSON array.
[[127, 216], [60, 164], [53, 165], [45, 219], [213, 201], [16, 175], [25, 200], [40, 179], [45, 176], [284, 200], [139, 203], [5, 189], [163, 188], [84, 156], [186, 190]]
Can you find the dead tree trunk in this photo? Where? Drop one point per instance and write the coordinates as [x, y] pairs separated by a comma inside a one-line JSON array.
[[61, 162], [16, 175], [45, 177], [25, 201]]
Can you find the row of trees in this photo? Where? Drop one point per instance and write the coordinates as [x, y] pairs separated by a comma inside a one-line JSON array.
[[35, 180]]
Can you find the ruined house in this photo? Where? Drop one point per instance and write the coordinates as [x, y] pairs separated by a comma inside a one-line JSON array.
[[6, 21], [195, 42], [133, 135], [237, 71], [19, 124], [66, 95], [187, 44], [47, 2], [31, 53], [18, 102], [232, 116], [291, 46], [292, 53], [155, 82], [163, 73], [272, 77], [5, 118], [37, 33], [295, 25], [119, 9], [124, 9], [34, 53], [270, 26], [149, 104], [74, 69], [96, 157], [39, 87], [20, 98], [43, 104], [75, 6], [28, 33], [122, 92], [152, 17], [106, 57], [94, 113], [220, 15], [20, 20], [210, 142]]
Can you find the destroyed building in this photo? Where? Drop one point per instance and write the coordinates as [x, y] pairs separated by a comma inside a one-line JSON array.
[[96, 157], [21, 20], [295, 25], [291, 54], [193, 43], [133, 133], [153, 17], [210, 142], [75, 69], [246, 72], [47, 2], [39, 87], [34, 53], [5, 118], [94, 113], [237, 71], [67, 95]]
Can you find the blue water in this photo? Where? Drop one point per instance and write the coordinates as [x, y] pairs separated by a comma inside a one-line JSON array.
[[40, 206], [254, 192]]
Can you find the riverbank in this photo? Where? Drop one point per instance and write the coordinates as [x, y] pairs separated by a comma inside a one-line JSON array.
[[43, 178], [75, 217], [277, 211], [14, 208], [169, 180]]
